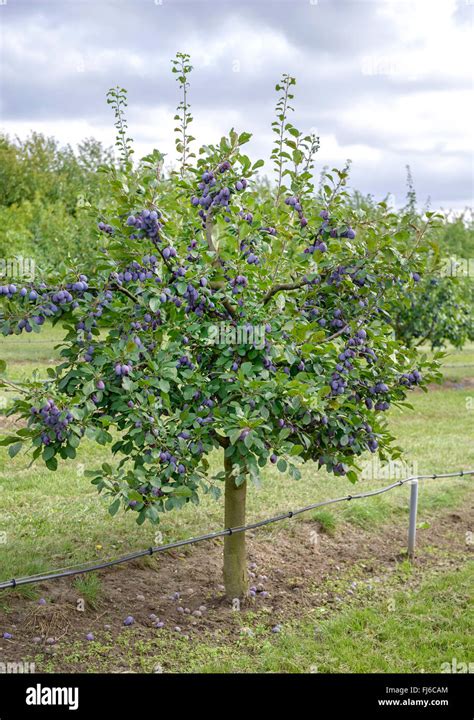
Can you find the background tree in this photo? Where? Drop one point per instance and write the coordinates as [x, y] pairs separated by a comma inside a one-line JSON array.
[[441, 308], [222, 319], [50, 199], [439, 311]]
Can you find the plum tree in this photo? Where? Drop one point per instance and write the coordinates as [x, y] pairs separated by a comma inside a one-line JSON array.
[[438, 308], [221, 320], [439, 311], [45, 214]]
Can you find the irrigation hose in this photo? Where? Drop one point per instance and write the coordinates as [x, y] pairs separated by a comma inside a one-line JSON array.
[[86, 568]]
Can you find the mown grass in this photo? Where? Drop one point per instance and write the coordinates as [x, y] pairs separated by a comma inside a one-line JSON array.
[[56, 519], [32, 347], [458, 364]]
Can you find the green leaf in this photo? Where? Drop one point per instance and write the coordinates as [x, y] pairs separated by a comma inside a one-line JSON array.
[[246, 367], [152, 513], [127, 383], [70, 452], [294, 472], [49, 452], [239, 480], [183, 491], [352, 476], [74, 440], [15, 449], [89, 388], [154, 303], [244, 137], [296, 450], [234, 435], [114, 507], [8, 440], [248, 440], [52, 464]]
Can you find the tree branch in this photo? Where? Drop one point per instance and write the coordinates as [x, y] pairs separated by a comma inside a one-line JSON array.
[[224, 442], [334, 335], [283, 286], [124, 290], [115, 286], [208, 231], [217, 284], [13, 385]]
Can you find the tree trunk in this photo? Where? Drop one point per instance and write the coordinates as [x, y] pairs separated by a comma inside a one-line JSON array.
[[235, 552]]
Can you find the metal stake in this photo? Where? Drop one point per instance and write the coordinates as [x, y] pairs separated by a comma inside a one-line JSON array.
[[413, 512]]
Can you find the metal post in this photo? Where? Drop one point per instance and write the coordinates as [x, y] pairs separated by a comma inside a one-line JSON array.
[[413, 512]]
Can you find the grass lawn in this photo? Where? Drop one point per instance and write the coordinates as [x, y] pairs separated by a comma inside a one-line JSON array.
[[459, 364]]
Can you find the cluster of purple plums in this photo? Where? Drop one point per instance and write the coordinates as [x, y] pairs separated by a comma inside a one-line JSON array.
[[295, 204], [46, 302], [211, 195], [146, 223], [51, 418]]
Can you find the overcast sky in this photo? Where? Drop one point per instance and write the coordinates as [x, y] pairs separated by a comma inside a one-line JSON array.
[[383, 83]]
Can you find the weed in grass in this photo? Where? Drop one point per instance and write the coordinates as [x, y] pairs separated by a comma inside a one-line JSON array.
[[89, 589], [326, 521]]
